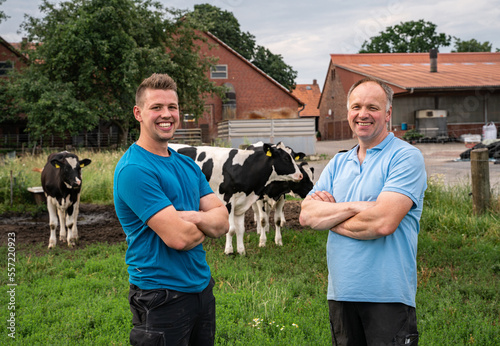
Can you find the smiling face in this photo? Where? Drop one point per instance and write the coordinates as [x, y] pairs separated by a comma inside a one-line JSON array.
[[158, 113], [367, 114]]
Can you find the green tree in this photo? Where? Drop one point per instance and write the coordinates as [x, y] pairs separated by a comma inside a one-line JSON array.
[[89, 57], [3, 16], [471, 45], [226, 27], [407, 37], [281, 72]]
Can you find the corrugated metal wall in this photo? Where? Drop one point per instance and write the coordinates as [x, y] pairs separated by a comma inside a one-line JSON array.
[[299, 134]]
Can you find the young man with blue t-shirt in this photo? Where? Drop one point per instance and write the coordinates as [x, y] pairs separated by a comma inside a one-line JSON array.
[[166, 209], [371, 199]]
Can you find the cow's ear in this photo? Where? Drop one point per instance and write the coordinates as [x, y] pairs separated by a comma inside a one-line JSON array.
[[267, 150], [299, 156], [55, 163], [85, 162]]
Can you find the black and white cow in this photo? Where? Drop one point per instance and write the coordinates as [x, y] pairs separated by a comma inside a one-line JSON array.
[[273, 198], [62, 183], [238, 177]]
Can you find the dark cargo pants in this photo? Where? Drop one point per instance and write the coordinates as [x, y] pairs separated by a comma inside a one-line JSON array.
[[166, 317]]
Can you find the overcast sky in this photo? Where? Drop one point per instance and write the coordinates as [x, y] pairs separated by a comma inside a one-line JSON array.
[[305, 32]]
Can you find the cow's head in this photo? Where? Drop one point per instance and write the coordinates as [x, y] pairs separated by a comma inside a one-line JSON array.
[[70, 168], [303, 187], [283, 163]]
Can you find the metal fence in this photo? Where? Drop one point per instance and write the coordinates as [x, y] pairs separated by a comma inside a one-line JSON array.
[[26, 142], [297, 133]]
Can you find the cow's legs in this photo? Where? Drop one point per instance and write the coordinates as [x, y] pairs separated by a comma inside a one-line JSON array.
[[61, 213], [71, 221], [52, 223], [256, 215], [263, 225], [229, 236], [239, 221], [279, 220], [261, 221]]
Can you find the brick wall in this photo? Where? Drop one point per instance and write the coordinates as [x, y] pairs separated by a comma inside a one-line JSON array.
[[255, 91]]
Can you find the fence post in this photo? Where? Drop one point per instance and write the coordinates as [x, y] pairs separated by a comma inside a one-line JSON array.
[[480, 174]]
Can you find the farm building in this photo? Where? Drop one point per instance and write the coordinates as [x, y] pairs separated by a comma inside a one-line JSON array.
[[441, 95], [10, 58], [309, 95], [252, 94]]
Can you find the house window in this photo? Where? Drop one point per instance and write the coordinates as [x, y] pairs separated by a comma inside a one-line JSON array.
[[5, 67], [218, 72]]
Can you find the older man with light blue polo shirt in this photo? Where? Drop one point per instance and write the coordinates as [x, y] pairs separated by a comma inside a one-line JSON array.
[[371, 199]]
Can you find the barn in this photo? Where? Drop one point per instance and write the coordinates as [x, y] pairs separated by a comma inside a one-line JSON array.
[[439, 94]]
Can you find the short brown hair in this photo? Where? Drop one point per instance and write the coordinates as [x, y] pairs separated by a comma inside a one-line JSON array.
[[389, 93], [157, 81]]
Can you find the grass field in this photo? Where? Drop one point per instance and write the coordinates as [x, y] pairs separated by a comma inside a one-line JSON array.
[[272, 296]]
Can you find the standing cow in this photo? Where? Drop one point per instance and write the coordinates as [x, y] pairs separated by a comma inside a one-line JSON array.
[[238, 177], [62, 183], [273, 197]]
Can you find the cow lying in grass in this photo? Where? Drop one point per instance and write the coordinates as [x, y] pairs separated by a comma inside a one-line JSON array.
[[62, 183]]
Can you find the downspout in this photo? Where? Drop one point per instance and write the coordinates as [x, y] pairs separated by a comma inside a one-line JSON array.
[[485, 109], [300, 110]]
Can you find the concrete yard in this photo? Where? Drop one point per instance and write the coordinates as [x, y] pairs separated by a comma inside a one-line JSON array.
[[440, 161]]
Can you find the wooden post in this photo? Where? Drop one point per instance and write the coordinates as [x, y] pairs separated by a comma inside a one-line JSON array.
[[480, 174]]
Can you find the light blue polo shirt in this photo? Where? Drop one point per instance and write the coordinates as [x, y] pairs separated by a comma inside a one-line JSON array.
[[383, 270]]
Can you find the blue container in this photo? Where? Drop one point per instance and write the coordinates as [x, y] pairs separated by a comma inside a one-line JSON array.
[[404, 126]]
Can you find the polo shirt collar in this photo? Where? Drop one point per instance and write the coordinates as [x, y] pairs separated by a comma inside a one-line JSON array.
[[353, 154]]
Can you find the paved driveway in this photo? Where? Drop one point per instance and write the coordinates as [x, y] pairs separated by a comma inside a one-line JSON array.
[[439, 161]]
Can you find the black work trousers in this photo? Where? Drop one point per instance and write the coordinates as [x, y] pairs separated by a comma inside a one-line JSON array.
[[359, 324], [166, 317]]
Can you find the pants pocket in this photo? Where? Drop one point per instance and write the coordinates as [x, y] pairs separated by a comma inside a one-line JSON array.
[[407, 340], [141, 337]]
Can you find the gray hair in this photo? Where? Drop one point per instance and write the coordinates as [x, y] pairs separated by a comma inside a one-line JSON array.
[[389, 93]]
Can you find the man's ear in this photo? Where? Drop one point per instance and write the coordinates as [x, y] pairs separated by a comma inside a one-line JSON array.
[[137, 114], [388, 115]]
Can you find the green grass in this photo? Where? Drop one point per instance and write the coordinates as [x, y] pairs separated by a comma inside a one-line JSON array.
[[272, 296], [97, 186]]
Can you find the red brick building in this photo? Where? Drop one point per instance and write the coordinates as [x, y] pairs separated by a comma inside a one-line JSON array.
[[252, 94], [11, 58], [466, 86]]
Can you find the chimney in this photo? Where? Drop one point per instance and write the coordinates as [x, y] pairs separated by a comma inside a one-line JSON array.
[[433, 54], [315, 82]]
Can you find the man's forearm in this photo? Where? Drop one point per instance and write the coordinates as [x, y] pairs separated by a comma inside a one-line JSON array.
[[321, 215], [213, 223]]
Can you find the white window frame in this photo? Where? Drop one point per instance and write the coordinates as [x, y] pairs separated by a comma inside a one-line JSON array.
[[219, 72]]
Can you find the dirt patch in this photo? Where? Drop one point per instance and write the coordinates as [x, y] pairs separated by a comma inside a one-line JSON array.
[[99, 223]]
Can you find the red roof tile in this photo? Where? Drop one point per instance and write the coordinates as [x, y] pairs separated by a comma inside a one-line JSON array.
[[412, 70], [309, 94]]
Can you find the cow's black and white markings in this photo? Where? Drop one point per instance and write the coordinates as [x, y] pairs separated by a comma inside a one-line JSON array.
[[62, 183], [273, 198], [238, 177]]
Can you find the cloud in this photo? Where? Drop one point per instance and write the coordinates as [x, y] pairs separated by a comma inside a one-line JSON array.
[[305, 33]]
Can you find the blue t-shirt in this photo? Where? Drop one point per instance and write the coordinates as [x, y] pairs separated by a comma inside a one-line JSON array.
[[383, 270], [144, 184]]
